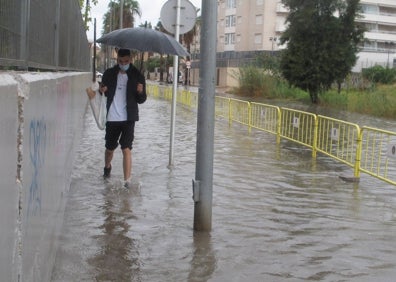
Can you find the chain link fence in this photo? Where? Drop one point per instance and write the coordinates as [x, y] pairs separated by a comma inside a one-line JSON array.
[[43, 35]]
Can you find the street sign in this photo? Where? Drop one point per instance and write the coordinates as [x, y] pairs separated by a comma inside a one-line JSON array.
[[168, 16]]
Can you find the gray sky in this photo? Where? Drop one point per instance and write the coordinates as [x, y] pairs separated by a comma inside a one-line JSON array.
[[151, 10]]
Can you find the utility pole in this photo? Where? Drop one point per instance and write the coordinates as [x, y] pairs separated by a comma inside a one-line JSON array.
[[203, 183], [121, 13]]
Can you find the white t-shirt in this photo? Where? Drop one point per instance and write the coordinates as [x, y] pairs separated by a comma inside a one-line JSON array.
[[117, 111]]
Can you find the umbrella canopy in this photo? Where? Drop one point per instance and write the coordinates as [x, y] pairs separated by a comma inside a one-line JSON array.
[[145, 40]]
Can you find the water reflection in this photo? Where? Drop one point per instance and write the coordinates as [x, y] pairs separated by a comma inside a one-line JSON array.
[[278, 214], [203, 262], [118, 257]]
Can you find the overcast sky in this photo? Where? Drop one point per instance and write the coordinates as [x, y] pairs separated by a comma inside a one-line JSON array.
[[151, 10]]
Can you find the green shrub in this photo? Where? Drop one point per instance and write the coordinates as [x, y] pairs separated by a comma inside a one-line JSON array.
[[251, 82], [379, 74]]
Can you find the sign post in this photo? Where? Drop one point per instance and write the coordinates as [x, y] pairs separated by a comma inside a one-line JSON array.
[[177, 17]]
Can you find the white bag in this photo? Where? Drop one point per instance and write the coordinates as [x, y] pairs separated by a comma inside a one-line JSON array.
[[98, 106]]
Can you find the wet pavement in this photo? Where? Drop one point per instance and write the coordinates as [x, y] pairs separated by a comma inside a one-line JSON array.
[[278, 215]]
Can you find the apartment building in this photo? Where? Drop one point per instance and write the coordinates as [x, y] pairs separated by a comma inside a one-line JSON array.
[[255, 25], [249, 25], [379, 18]]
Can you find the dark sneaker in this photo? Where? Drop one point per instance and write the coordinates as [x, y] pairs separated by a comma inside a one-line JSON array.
[[106, 172]]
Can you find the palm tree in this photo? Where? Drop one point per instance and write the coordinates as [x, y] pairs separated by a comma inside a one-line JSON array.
[[87, 9], [164, 63], [130, 9]]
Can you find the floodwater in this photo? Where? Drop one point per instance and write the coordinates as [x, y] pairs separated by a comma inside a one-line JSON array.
[[277, 214]]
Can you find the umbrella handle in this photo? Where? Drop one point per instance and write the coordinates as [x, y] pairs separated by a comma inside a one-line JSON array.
[[141, 61]]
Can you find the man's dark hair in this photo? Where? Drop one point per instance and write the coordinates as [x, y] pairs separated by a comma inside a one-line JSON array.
[[124, 52]]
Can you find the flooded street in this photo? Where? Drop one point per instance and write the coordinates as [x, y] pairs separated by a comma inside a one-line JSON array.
[[278, 215]]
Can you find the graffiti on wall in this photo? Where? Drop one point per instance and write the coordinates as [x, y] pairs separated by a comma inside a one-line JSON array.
[[37, 143]]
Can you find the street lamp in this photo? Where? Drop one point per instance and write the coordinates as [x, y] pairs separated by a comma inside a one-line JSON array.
[[272, 39], [390, 45]]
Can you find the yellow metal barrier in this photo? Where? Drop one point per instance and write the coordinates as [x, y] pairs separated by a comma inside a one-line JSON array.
[[183, 97], [378, 154], [152, 90], [300, 127], [369, 150], [339, 140], [168, 92], [266, 117], [222, 107], [194, 100], [187, 98], [240, 111]]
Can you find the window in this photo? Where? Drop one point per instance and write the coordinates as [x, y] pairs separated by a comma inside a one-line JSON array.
[[230, 20], [229, 39], [257, 38], [259, 19], [369, 45], [371, 26], [231, 4], [370, 9]]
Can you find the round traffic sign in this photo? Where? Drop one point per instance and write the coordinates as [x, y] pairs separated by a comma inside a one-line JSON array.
[[188, 14]]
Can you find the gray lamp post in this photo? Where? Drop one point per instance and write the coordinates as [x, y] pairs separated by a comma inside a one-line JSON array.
[[272, 39]]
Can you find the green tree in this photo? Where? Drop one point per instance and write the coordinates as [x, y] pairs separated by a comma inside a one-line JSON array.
[[131, 9], [322, 42]]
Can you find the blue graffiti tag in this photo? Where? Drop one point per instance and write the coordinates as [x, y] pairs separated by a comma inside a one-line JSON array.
[[37, 141]]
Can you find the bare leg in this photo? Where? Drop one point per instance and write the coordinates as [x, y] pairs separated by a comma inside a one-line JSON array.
[[127, 163], [108, 157]]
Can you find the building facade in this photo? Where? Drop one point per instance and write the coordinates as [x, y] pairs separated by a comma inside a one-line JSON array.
[[379, 48], [256, 25]]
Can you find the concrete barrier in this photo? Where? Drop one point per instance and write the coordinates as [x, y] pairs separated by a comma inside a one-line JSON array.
[[41, 118], [9, 190]]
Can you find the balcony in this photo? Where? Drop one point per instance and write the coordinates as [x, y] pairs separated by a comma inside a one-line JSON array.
[[280, 8], [381, 19], [387, 3], [378, 36]]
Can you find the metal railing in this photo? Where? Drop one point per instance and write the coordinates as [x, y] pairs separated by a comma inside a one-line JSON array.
[[43, 34], [300, 127], [378, 153], [366, 149], [339, 140]]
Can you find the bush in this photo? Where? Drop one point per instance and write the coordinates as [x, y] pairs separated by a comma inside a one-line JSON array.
[[252, 82], [260, 83], [379, 74]]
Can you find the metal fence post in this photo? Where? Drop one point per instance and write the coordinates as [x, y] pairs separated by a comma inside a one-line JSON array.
[[358, 158], [56, 43], [24, 41]]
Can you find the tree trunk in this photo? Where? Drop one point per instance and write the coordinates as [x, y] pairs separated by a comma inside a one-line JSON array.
[[314, 97]]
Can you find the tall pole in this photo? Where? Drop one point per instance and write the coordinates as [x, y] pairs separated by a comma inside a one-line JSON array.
[[203, 183], [121, 13], [94, 54], [57, 35], [25, 19], [175, 81]]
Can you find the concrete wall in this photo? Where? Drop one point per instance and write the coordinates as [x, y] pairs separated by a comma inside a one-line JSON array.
[[225, 77], [41, 121]]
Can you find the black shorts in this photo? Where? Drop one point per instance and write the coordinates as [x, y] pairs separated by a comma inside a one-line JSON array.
[[122, 132]]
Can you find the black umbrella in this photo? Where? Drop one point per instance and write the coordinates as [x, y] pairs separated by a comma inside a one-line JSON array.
[[145, 40]]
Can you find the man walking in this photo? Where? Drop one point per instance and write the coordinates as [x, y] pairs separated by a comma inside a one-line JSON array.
[[125, 88]]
